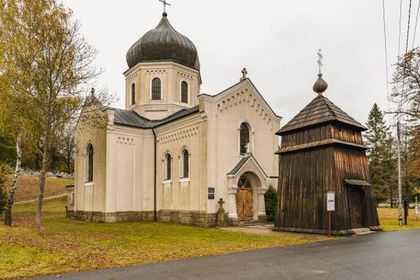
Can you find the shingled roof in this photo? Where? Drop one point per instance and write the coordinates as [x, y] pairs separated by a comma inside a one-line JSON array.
[[319, 110]]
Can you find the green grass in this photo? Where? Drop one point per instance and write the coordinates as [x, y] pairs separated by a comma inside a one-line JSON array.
[[28, 187], [66, 245], [389, 220]]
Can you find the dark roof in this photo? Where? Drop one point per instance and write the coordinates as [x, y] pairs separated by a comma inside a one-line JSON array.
[[239, 165], [177, 115], [132, 119], [164, 43], [354, 182], [319, 110], [242, 162]]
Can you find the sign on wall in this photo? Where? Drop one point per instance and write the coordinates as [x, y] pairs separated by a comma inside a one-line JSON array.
[[330, 201], [211, 193]]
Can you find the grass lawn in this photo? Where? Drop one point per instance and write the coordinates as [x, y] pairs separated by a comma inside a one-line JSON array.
[[65, 245], [389, 219], [28, 187]]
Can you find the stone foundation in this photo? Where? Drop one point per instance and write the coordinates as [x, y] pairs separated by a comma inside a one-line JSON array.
[[197, 218]]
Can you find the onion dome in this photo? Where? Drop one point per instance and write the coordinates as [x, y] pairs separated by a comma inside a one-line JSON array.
[[320, 85], [164, 43]]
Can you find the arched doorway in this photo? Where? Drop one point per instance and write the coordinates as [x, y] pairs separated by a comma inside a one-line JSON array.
[[245, 196]]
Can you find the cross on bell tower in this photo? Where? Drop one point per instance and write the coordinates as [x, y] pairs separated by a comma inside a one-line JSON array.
[[164, 6]]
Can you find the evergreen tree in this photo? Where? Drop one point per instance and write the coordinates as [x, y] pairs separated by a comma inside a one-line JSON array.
[[380, 154], [270, 203]]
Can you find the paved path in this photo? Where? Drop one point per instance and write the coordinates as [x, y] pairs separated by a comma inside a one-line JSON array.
[[381, 256]]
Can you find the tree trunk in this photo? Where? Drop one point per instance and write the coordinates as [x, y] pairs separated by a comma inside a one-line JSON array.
[[392, 198], [42, 177], [12, 193]]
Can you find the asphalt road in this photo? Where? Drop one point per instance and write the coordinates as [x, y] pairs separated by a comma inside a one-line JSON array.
[[394, 255]]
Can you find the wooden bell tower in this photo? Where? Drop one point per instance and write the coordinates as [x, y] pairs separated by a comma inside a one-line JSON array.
[[322, 151]]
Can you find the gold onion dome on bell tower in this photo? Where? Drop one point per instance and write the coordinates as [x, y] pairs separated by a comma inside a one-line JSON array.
[[164, 43]]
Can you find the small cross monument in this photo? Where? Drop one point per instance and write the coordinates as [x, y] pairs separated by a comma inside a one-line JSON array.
[[221, 214], [221, 202]]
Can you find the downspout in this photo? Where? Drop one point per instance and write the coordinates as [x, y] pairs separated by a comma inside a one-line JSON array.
[[154, 177]]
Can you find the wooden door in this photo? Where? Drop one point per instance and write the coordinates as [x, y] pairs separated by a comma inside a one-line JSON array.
[[355, 200], [244, 204]]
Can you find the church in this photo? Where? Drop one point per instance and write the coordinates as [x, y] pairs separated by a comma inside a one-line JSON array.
[[174, 152]]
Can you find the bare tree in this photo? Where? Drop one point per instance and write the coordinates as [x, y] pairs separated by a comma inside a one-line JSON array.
[[406, 85]]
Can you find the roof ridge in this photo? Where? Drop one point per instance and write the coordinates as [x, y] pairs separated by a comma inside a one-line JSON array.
[[319, 110]]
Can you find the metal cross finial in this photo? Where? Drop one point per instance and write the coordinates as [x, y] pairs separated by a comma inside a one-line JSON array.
[[244, 73], [320, 57], [164, 5]]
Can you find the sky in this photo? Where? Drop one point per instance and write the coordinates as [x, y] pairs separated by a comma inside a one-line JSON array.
[[276, 40]]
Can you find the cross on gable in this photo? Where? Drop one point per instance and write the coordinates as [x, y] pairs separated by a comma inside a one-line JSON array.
[[244, 73], [164, 5]]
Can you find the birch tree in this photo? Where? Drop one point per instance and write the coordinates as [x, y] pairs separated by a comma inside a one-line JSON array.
[[49, 61]]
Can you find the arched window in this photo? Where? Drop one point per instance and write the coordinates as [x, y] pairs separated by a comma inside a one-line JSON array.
[[156, 89], [184, 92], [168, 167], [244, 138], [185, 164], [133, 94], [89, 165]]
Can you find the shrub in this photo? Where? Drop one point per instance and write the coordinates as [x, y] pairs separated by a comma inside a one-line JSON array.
[[270, 203]]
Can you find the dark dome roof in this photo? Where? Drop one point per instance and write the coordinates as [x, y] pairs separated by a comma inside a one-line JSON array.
[[164, 43], [320, 85]]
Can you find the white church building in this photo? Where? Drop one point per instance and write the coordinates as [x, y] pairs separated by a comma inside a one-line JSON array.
[[174, 152]]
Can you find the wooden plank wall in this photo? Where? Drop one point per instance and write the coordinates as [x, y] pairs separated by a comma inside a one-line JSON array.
[[304, 179], [352, 164]]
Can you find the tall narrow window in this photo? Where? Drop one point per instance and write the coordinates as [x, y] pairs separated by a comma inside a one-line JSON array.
[[156, 89], [185, 164], [184, 92], [168, 167], [89, 169], [244, 138], [133, 94]]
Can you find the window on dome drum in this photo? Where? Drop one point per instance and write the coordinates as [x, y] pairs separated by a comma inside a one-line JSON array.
[[244, 138], [89, 165], [168, 167], [185, 164], [184, 92], [156, 89], [133, 94]]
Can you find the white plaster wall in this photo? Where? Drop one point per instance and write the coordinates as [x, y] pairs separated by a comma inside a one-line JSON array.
[[225, 112], [178, 193], [129, 169], [171, 75], [90, 197]]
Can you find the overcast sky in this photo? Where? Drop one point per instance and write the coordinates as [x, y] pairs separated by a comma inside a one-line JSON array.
[[276, 40]]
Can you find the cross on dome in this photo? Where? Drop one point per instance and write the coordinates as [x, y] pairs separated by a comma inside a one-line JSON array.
[[320, 85], [164, 5], [320, 57]]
